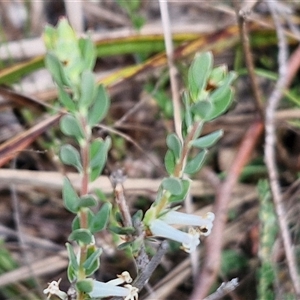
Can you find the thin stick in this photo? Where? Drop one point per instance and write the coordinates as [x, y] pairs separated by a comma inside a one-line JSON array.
[[241, 15], [172, 69], [270, 156]]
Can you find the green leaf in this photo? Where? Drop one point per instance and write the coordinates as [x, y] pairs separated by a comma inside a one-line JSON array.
[[66, 100], [202, 109], [87, 201], [66, 47], [81, 235], [173, 185], [69, 155], [99, 110], [137, 217], [217, 75], [92, 262], [170, 162], [70, 196], [55, 67], [125, 246], [88, 89], [221, 92], [49, 37], [75, 223], [199, 73], [194, 164], [99, 220], [88, 53], [174, 144], [72, 256], [73, 264], [85, 285], [70, 126], [122, 230], [98, 153], [221, 106], [182, 195], [208, 140]]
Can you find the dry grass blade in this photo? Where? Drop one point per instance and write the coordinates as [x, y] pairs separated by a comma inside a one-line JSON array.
[[12, 147], [133, 186], [20, 100]]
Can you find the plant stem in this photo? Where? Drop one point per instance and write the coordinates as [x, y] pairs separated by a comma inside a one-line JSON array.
[[83, 216], [179, 168]]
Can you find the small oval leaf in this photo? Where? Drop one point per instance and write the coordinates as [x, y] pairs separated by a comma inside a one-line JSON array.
[[66, 100], [81, 235], [174, 144], [69, 155], [92, 259], [56, 69], [220, 106], [99, 109], [99, 221], [88, 52], [208, 140], [195, 163], [88, 89], [70, 196], [199, 73], [182, 195], [170, 162], [70, 126], [87, 201], [99, 151], [203, 109], [173, 185]]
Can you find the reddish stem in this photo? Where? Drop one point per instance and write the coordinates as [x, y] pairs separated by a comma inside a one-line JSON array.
[[214, 241]]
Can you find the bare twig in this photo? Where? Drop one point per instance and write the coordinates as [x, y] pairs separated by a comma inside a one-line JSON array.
[[75, 14], [172, 69], [143, 278], [117, 179], [270, 157], [223, 290], [241, 15]]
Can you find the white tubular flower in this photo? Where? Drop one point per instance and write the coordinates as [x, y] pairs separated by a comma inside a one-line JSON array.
[[189, 240], [53, 289], [191, 247], [133, 295], [101, 290], [111, 288], [174, 217], [123, 278]]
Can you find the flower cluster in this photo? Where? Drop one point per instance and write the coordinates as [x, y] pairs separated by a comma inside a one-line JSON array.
[[101, 289], [112, 288], [190, 240]]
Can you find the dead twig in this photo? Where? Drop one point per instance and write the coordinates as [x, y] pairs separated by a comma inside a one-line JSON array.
[[270, 156], [172, 69], [242, 15]]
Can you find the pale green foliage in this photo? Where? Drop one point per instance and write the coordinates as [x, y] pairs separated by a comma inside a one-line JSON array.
[[70, 61]]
